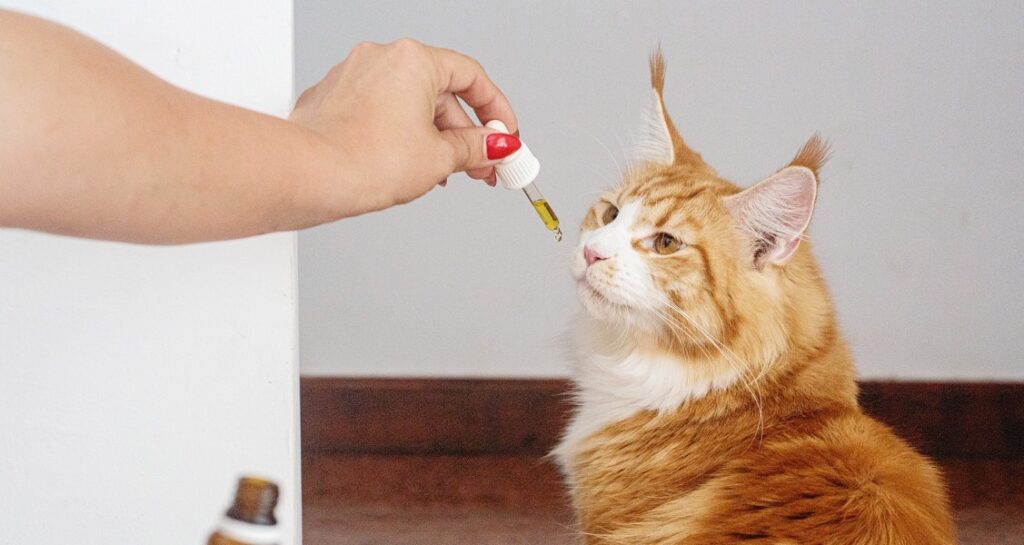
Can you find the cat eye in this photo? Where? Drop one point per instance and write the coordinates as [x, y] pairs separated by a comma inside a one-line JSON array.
[[665, 243], [609, 215]]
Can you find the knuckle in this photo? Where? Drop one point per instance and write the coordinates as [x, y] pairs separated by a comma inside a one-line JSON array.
[[363, 47], [463, 152], [306, 96], [475, 66], [407, 44], [409, 50]]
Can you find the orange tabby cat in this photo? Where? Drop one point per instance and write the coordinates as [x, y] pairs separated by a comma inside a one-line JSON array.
[[716, 396]]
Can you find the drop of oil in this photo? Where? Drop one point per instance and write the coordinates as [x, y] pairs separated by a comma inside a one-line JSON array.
[[558, 235]]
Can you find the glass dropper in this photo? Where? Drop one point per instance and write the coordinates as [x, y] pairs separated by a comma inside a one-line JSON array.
[[518, 171], [540, 204]]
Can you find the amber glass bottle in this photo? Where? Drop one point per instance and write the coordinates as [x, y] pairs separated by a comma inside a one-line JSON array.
[[250, 520]]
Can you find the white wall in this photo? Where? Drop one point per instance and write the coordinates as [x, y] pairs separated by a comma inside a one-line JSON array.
[[138, 382], [919, 226]]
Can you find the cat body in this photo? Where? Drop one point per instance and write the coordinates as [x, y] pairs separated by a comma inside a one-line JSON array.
[[716, 398]]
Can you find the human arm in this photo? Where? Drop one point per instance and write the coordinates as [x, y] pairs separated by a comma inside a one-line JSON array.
[[93, 145]]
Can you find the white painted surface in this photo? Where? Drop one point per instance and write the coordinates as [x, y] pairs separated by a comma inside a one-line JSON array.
[[919, 225], [138, 382]]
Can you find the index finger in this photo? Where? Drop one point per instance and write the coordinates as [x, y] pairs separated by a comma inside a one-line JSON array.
[[465, 77]]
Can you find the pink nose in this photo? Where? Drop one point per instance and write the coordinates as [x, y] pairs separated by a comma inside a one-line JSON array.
[[592, 256]]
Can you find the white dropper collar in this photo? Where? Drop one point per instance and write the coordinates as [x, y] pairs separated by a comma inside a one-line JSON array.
[[519, 169]]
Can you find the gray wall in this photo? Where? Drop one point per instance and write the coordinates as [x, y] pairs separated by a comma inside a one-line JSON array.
[[918, 228], [139, 381]]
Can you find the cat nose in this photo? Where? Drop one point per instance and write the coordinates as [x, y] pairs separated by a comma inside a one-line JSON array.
[[592, 256]]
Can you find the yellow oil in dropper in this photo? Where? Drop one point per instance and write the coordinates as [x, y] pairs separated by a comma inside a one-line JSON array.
[[547, 215], [518, 171]]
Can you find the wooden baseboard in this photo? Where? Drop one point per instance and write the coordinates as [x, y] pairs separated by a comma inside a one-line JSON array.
[[515, 416]]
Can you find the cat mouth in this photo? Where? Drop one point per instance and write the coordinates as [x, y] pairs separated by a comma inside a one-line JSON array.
[[591, 294]]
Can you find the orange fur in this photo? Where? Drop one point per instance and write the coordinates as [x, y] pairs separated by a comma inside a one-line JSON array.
[[812, 155], [784, 455]]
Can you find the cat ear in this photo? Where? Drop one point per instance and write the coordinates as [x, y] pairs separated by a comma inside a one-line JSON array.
[[774, 214], [654, 142], [659, 142]]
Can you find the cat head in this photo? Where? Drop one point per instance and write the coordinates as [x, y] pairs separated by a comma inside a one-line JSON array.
[[678, 254]]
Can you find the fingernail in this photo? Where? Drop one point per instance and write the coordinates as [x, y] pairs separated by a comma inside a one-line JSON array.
[[500, 146]]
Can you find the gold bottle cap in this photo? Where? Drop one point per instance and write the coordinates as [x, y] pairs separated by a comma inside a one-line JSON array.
[[255, 501]]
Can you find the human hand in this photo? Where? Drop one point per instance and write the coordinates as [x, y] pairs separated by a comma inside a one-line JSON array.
[[391, 113]]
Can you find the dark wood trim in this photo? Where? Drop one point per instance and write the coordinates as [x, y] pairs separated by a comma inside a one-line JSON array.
[[952, 419], [516, 416], [432, 415]]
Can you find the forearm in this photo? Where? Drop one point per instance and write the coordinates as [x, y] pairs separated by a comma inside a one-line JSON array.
[[92, 145]]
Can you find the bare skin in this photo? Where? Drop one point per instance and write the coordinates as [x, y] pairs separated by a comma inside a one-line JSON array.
[[92, 145]]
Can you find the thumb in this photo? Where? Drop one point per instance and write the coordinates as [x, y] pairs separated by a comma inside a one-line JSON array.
[[476, 147]]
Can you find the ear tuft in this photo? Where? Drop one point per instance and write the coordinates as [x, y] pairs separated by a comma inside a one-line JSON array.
[[657, 61], [659, 142], [654, 142], [813, 155], [774, 213]]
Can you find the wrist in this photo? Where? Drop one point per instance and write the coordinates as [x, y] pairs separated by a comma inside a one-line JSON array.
[[338, 181]]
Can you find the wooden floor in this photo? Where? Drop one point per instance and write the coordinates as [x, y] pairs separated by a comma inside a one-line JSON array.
[[499, 500]]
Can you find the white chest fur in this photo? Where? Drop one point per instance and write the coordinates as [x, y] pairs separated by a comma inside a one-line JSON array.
[[614, 383]]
